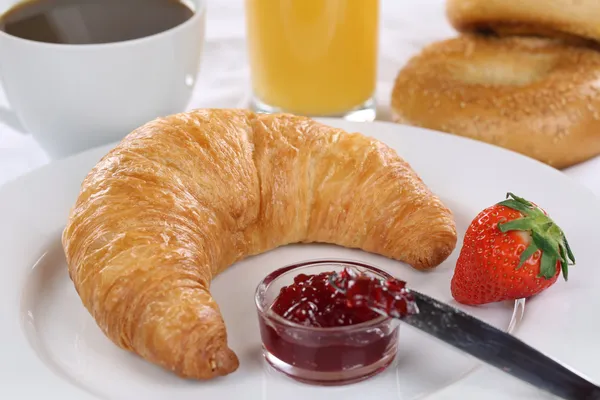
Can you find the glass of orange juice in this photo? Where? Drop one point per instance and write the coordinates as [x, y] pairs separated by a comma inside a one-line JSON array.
[[314, 57]]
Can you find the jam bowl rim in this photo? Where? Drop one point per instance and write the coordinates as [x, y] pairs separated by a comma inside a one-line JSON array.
[[274, 318]]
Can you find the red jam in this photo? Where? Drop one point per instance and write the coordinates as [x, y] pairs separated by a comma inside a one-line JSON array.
[[388, 297], [341, 299], [338, 301], [312, 301]]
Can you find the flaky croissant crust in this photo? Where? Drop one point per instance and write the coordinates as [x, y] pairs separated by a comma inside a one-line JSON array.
[[183, 197]]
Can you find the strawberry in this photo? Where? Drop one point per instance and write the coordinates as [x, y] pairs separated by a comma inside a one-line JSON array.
[[511, 250]]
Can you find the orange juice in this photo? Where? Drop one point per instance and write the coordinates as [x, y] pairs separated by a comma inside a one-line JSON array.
[[313, 57]]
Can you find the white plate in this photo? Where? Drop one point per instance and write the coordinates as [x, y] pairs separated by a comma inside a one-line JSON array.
[[51, 348]]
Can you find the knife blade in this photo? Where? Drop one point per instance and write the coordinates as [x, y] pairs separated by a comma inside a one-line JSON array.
[[499, 349]]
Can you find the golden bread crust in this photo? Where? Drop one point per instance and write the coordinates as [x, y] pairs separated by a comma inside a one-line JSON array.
[[538, 97], [575, 21]]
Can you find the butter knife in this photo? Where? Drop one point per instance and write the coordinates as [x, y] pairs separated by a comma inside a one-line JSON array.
[[499, 349]]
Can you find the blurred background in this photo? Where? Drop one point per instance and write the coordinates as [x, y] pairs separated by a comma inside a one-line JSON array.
[[405, 26]]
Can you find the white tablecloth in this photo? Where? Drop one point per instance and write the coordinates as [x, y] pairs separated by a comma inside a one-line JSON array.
[[406, 26]]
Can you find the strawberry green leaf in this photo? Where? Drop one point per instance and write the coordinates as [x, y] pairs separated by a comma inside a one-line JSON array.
[[550, 229], [564, 263], [550, 254], [569, 252], [545, 244], [515, 205], [547, 266], [519, 199], [523, 224], [532, 248]]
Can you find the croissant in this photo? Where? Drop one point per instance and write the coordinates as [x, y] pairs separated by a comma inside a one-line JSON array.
[[183, 197]]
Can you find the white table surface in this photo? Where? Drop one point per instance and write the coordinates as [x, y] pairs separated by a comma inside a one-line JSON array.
[[406, 26]]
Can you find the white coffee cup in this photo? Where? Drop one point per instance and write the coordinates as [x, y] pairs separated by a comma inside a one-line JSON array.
[[74, 97]]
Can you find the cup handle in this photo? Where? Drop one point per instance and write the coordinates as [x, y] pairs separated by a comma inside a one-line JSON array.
[[10, 118]]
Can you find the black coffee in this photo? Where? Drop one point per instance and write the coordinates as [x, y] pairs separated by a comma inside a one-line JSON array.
[[92, 21]]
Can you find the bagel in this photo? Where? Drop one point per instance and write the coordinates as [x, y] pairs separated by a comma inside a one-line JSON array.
[[538, 97], [574, 21], [183, 197]]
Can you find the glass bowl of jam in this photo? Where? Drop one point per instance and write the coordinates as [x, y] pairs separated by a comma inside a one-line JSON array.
[[312, 333]]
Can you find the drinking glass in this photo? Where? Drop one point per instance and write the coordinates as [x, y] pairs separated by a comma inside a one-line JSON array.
[[314, 57]]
